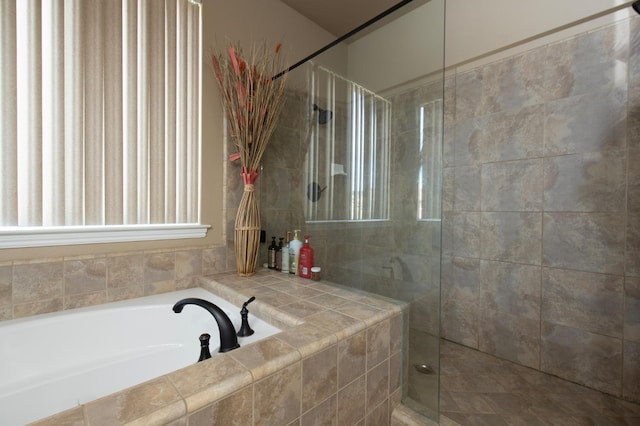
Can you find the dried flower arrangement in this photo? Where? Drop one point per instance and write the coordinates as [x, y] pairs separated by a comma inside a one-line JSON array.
[[252, 86]]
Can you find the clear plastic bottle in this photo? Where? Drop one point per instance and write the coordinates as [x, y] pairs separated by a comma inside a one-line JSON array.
[[285, 254], [294, 252]]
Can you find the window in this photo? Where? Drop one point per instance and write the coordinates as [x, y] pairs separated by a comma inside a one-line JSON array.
[[347, 161], [100, 127], [430, 172]]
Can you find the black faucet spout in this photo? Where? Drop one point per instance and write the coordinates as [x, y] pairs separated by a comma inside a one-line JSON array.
[[228, 336]]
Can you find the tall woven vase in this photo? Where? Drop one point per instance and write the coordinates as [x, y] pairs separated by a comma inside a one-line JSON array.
[[247, 233]]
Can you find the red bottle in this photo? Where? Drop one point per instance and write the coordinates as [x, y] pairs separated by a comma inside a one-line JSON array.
[[306, 259]]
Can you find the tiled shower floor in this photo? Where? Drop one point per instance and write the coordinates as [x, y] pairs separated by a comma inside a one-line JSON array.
[[479, 389]]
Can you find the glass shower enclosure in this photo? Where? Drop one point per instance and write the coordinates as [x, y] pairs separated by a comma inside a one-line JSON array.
[[356, 162]]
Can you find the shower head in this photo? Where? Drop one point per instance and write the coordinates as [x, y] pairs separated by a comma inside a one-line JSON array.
[[636, 6], [324, 115]]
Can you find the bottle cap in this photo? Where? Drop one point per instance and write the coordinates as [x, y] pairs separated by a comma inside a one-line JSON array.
[[316, 269]]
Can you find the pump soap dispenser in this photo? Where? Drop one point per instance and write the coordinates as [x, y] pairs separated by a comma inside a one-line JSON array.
[[306, 258]]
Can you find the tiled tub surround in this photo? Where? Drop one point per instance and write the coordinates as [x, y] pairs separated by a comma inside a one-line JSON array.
[[337, 360], [44, 285], [95, 351]]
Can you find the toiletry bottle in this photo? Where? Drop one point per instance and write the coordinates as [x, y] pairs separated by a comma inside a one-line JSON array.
[[294, 252], [285, 254], [306, 258], [271, 258], [279, 254]]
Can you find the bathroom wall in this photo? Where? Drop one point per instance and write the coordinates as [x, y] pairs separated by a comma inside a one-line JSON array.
[[46, 279], [244, 21], [541, 234]]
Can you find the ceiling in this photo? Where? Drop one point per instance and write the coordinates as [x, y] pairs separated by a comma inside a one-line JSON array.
[[340, 16]]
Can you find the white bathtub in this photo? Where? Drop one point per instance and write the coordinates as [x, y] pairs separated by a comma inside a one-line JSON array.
[[53, 362]]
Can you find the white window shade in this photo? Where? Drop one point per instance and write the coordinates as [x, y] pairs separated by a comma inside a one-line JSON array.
[[100, 123]]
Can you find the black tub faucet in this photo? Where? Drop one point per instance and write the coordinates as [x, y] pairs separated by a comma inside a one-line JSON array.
[[228, 337]]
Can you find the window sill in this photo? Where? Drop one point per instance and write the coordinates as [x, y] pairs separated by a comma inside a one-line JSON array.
[[18, 237]]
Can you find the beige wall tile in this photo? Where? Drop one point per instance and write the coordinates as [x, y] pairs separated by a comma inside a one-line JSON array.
[[236, 410], [379, 416], [22, 310], [466, 188], [395, 372], [194, 382], [343, 325], [518, 81], [396, 331], [265, 356], [86, 299], [33, 282], [319, 377], [585, 182], [351, 358], [6, 285], [159, 267], [307, 338], [125, 271], [323, 414], [277, 398], [329, 300], [302, 308], [582, 357], [377, 385], [512, 237], [584, 241], [510, 336], [6, 312], [125, 293], [214, 260], [510, 135], [632, 259], [583, 300], [159, 287], [85, 276], [511, 288], [378, 342], [351, 404], [588, 62], [472, 95], [459, 302], [632, 309], [188, 263], [594, 121], [512, 186], [135, 402], [631, 371], [466, 234]]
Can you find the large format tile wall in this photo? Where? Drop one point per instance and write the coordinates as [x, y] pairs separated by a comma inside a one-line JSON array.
[[541, 258]]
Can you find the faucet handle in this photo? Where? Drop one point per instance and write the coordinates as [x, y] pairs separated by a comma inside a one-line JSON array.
[[245, 329], [204, 347], [244, 305]]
